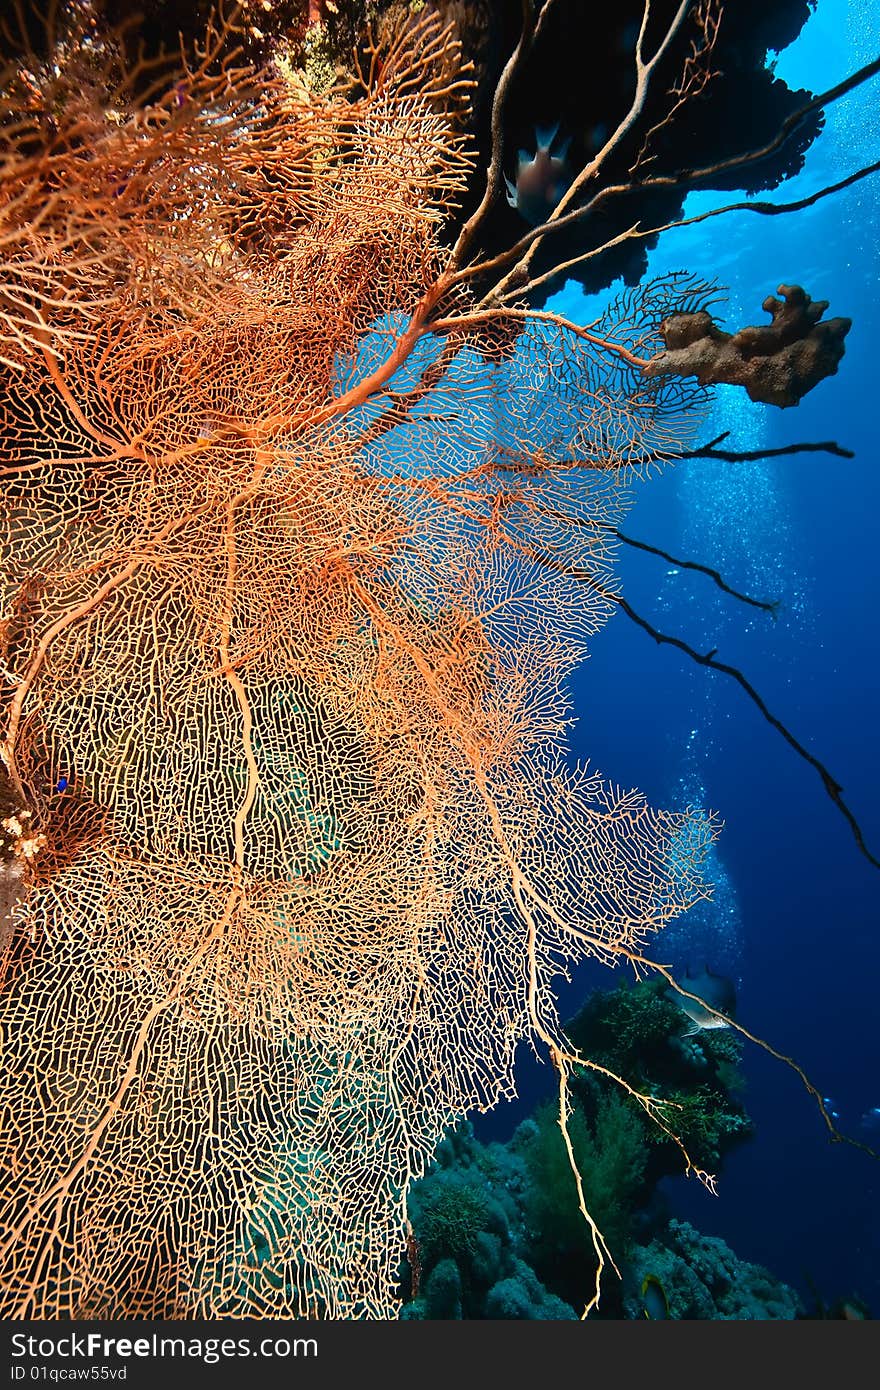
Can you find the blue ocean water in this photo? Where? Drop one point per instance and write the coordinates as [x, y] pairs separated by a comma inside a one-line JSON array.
[[794, 919]]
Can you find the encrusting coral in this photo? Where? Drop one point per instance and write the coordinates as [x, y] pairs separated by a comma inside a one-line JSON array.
[[703, 1278], [777, 363]]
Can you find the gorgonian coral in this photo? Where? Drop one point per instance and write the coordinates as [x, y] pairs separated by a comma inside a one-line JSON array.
[[300, 540]]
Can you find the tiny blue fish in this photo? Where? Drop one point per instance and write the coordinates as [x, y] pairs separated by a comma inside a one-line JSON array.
[[61, 784]]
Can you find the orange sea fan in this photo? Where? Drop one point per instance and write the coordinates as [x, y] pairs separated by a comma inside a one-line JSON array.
[[277, 613]]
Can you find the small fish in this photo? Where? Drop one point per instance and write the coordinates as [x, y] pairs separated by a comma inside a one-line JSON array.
[[61, 785], [716, 993], [541, 179], [655, 1304], [871, 1118]]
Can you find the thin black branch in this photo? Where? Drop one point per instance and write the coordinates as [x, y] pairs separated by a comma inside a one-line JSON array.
[[643, 233], [765, 209], [790, 124], [708, 451], [772, 607], [831, 785]]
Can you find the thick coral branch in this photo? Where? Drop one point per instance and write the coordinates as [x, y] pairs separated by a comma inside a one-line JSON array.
[[518, 279]]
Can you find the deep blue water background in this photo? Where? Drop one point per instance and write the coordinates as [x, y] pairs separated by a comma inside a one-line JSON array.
[[795, 917]]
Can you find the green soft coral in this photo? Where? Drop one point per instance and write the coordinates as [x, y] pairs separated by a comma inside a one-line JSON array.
[[705, 1121], [451, 1216], [611, 1155], [624, 1028], [640, 1034], [499, 1228]]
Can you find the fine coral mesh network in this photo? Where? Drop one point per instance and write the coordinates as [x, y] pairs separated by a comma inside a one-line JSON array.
[[292, 585]]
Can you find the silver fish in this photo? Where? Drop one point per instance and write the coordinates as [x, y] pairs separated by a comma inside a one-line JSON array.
[[716, 993]]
